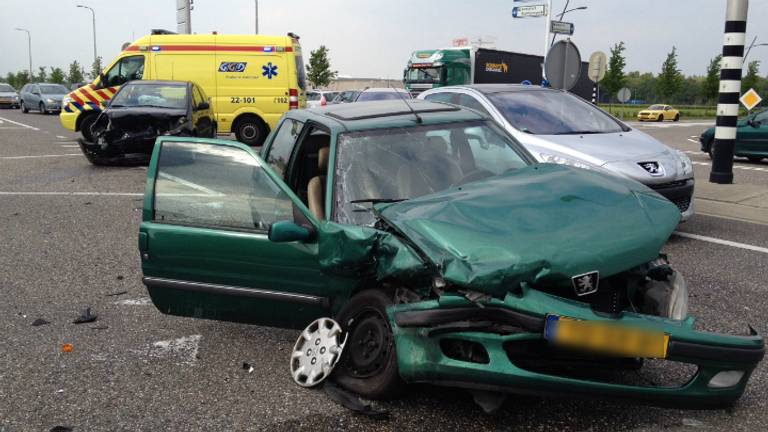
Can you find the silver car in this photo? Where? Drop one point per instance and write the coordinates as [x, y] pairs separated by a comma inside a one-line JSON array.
[[8, 96], [42, 97], [558, 127]]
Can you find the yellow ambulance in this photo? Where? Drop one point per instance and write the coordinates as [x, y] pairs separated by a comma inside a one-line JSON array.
[[252, 80]]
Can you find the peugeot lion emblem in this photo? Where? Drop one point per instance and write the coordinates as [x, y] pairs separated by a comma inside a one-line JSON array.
[[586, 283], [654, 168]]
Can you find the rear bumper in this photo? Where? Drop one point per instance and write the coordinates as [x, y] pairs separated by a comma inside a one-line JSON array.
[[420, 327]]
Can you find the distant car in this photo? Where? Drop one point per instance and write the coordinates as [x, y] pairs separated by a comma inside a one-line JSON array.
[[42, 97], [558, 127], [316, 98], [751, 137], [346, 96], [385, 93], [8, 96], [143, 110], [658, 113]]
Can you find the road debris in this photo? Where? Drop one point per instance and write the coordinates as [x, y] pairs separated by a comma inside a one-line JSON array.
[[316, 352], [85, 317], [61, 429], [116, 293], [248, 367], [353, 402], [67, 347], [39, 322]]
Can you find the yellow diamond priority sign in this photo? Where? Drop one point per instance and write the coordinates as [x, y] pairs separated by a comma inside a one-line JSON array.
[[750, 99]]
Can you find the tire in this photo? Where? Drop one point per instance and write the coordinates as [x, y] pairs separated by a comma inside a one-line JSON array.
[[368, 365], [754, 159], [677, 117], [710, 149], [660, 118], [250, 130], [24, 108], [42, 109], [85, 126]]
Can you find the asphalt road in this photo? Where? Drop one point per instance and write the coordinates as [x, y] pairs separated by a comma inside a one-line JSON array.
[[69, 241]]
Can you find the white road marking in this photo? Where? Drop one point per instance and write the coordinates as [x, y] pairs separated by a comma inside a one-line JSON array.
[[141, 301], [693, 140], [70, 145], [61, 137], [722, 242], [190, 184], [185, 348], [741, 167], [6, 193], [20, 124], [40, 156]]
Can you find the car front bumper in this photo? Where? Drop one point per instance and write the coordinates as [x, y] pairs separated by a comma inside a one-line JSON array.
[[420, 329], [680, 192]]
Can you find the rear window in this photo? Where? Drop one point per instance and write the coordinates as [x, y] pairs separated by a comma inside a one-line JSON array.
[[301, 74], [376, 96], [313, 96]]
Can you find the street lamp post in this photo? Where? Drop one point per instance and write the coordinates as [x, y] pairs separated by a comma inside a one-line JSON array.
[[256, 17], [562, 14], [29, 43], [93, 15], [752, 45]]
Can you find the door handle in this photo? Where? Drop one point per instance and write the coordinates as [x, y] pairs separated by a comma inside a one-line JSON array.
[[144, 245]]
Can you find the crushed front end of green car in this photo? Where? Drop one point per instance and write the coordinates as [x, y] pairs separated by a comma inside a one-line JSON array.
[[451, 341]]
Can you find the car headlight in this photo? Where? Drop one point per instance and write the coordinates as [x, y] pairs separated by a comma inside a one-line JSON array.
[[685, 163], [16, 98], [50, 101], [66, 100], [678, 298], [561, 160]]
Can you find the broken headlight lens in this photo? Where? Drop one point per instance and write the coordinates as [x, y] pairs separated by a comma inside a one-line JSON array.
[[678, 298], [561, 160], [685, 163]]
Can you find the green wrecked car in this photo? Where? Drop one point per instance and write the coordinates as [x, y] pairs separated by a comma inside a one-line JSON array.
[[446, 254]]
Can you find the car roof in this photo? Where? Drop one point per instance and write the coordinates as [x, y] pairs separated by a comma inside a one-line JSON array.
[[383, 114], [156, 82], [502, 88], [384, 90]]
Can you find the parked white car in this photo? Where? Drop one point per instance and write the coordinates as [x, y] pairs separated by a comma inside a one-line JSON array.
[[383, 93], [316, 98], [558, 127]]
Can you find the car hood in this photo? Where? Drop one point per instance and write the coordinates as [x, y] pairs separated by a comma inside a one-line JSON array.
[[56, 97], [8, 94], [131, 117], [620, 152], [542, 224]]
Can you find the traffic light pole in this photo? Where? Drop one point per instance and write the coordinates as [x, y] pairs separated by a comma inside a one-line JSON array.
[[730, 90]]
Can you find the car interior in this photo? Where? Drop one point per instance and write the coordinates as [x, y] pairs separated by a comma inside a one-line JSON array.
[[311, 170]]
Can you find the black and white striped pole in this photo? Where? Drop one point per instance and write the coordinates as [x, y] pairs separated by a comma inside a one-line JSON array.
[[730, 90]]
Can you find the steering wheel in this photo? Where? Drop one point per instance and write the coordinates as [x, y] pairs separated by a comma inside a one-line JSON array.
[[475, 174]]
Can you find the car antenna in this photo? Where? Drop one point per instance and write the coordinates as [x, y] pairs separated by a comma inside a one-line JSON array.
[[415, 114]]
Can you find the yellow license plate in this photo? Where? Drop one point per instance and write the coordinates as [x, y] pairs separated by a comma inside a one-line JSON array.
[[605, 338]]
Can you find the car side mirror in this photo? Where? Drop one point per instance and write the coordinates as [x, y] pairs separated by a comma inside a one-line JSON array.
[[288, 231], [203, 106], [753, 123]]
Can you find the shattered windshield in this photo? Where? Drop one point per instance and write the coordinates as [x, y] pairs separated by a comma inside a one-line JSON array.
[[552, 113], [151, 95], [390, 165]]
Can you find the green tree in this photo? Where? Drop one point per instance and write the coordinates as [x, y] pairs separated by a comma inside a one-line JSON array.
[[10, 78], [75, 73], [42, 75], [614, 77], [96, 68], [751, 79], [711, 85], [57, 75], [319, 71], [22, 78], [670, 80]]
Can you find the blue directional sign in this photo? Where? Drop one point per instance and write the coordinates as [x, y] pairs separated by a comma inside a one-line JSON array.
[[529, 11]]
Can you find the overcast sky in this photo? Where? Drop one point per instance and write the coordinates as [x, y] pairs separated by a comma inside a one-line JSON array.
[[370, 38]]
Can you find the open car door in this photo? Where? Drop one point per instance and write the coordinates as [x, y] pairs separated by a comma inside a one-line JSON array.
[[204, 238]]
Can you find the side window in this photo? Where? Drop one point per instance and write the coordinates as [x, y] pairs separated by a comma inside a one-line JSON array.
[[445, 97], [282, 146], [216, 186], [490, 152], [196, 98], [127, 69], [761, 117], [472, 103]]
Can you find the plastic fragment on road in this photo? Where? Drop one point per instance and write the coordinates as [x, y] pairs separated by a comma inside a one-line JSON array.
[[85, 317], [39, 322], [67, 347], [248, 367], [116, 293], [353, 402], [61, 429], [316, 352]]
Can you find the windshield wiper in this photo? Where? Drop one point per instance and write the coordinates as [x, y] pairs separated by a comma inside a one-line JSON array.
[[584, 132], [377, 200]]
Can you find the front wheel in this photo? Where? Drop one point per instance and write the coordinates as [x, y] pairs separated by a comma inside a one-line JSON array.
[[24, 108], [85, 127], [660, 118], [677, 117], [368, 365], [754, 159], [42, 109]]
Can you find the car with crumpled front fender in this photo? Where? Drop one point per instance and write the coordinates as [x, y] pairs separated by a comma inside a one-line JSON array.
[[447, 255]]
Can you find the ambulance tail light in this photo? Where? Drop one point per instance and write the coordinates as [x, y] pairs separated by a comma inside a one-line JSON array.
[[323, 101], [293, 99]]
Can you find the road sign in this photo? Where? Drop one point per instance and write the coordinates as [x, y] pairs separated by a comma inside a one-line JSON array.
[[563, 65], [624, 94], [529, 11], [750, 99], [598, 63], [561, 27]]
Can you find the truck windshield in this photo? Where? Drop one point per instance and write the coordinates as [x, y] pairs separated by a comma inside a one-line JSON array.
[[553, 113], [423, 75]]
